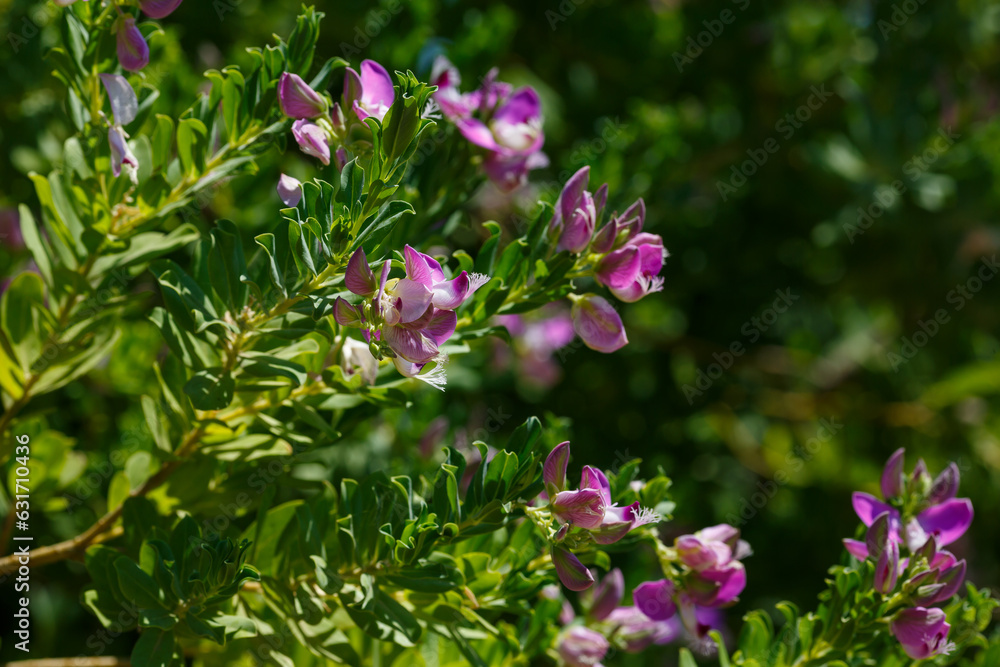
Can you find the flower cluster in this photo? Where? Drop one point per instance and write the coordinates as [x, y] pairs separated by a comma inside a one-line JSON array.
[[586, 639], [589, 508], [133, 51], [619, 255], [406, 319], [319, 124], [505, 123], [904, 539]]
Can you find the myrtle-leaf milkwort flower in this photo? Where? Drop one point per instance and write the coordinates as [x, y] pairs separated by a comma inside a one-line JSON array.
[[124, 107]]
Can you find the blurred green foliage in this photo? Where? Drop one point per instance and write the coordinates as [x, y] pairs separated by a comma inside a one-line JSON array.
[[836, 363]]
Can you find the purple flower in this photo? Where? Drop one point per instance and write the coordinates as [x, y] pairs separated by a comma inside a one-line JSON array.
[[572, 573], [513, 137], [290, 190], [447, 294], [398, 313], [554, 470], [946, 522], [453, 103], [582, 647], [133, 52], [635, 631], [923, 633], [607, 595], [312, 139], [713, 554], [124, 104], [655, 599], [597, 323], [575, 213], [632, 271], [591, 506], [121, 154], [893, 479], [159, 9], [298, 100], [370, 93]]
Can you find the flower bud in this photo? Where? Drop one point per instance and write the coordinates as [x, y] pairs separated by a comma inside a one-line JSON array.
[[133, 52], [580, 646], [892, 475], [159, 9], [945, 486], [597, 324], [554, 470], [571, 571], [607, 595], [290, 190], [297, 99]]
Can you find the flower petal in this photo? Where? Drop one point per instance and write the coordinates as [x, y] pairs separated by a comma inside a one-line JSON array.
[[571, 571], [554, 470], [358, 276], [947, 521], [655, 599], [124, 103]]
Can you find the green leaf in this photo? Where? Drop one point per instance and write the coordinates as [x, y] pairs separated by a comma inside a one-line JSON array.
[[33, 241], [163, 141], [156, 427], [157, 618], [382, 225], [155, 648], [211, 389], [136, 585], [265, 366], [192, 142]]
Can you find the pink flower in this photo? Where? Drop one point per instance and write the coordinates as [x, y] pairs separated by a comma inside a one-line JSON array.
[[370, 93], [580, 646], [572, 573], [632, 271], [923, 633], [312, 139], [298, 100], [597, 323], [447, 294], [290, 190]]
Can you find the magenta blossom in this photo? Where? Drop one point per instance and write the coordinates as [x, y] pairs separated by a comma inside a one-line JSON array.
[[447, 294], [636, 632], [717, 576], [535, 339], [370, 93], [513, 137], [591, 506], [133, 52], [159, 9], [298, 100], [632, 271], [923, 633], [576, 213], [606, 595], [655, 599], [580, 646], [400, 317], [122, 157], [453, 103], [312, 139], [944, 518], [572, 573], [597, 323]]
